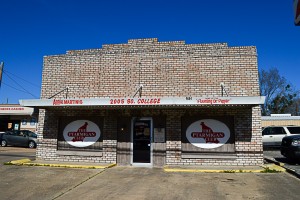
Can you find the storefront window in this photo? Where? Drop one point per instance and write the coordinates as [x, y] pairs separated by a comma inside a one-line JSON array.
[[80, 134], [16, 127], [24, 122], [32, 121], [9, 126]]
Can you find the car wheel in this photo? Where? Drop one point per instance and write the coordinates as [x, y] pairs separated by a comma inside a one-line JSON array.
[[3, 143], [31, 144]]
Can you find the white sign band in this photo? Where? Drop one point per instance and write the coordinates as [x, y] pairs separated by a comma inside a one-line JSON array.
[[164, 101]]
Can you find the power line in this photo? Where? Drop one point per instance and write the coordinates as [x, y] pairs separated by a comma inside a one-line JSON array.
[[13, 87], [22, 79], [20, 86]]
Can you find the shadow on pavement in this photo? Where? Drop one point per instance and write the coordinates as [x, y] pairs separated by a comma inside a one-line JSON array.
[[18, 155], [287, 161]]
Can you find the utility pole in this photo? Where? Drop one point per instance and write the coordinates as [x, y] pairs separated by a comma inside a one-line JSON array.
[[1, 71]]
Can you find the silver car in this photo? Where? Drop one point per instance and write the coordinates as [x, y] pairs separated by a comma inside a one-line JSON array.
[[19, 138]]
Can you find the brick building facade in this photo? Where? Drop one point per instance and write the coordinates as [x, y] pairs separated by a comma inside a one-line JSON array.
[[152, 103]]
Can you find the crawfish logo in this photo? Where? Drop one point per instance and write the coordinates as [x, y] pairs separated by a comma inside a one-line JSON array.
[[81, 133], [207, 134]]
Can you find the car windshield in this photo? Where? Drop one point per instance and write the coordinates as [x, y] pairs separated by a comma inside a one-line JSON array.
[[31, 134], [294, 130], [10, 133]]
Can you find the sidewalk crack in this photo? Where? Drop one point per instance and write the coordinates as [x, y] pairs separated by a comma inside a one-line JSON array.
[[72, 188]]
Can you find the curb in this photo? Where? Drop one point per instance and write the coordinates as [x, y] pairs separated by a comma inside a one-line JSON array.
[[211, 171], [18, 162], [70, 166], [291, 171], [265, 169], [28, 162]]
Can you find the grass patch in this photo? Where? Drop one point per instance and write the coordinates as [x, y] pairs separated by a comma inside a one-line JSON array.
[[8, 163], [228, 171], [30, 164], [268, 170]]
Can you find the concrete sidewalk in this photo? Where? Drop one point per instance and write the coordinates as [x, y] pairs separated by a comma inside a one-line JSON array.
[[132, 183], [43, 163]]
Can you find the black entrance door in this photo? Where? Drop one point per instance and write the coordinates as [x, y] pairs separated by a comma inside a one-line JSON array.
[[141, 141]]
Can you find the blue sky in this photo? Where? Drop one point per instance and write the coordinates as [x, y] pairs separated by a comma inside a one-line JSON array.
[[32, 29]]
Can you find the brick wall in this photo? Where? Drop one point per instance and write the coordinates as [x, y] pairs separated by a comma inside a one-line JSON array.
[[49, 126], [247, 131], [164, 68]]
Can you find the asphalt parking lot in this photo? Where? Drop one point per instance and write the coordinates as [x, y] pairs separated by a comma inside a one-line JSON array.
[[14, 153], [275, 155], [27, 182]]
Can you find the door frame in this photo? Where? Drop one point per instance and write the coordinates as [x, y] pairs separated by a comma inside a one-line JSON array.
[[131, 142]]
